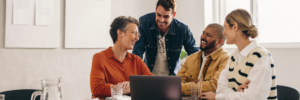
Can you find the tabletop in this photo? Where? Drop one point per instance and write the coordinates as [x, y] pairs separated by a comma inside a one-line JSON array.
[[185, 97]]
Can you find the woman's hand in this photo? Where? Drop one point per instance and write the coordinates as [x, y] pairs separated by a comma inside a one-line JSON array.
[[126, 87], [243, 86], [208, 95]]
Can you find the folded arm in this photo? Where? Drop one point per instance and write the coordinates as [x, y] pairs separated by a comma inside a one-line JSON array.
[[260, 78]]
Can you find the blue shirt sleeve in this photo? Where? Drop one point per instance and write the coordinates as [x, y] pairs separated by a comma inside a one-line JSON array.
[[139, 47], [189, 43]]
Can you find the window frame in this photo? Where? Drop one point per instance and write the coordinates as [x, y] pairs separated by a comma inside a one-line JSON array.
[[219, 8]]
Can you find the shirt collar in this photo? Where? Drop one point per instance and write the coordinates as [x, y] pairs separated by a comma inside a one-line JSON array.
[[154, 26], [203, 55], [215, 54], [110, 54], [171, 29], [248, 48]]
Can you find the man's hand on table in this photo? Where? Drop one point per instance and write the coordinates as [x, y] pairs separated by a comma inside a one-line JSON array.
[[208, 95]]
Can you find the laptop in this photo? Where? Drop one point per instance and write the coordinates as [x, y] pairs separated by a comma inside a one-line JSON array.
[[155, 87]]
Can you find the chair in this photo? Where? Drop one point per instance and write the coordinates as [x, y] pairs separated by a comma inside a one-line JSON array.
[[287, 93], [22, 94]]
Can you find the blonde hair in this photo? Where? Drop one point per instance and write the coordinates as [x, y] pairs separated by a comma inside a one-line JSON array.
[[244, 21]]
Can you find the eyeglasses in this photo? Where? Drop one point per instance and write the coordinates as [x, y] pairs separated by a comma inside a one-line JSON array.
[[137, 34], [161, 45]]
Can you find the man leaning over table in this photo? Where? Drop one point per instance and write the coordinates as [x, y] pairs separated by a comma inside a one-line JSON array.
[[205, 66], [162, 38]]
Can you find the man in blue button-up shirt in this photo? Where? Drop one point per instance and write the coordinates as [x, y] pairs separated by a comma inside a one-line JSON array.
[[162, 38]]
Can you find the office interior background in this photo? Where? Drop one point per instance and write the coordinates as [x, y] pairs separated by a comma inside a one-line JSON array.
[[277, 21]]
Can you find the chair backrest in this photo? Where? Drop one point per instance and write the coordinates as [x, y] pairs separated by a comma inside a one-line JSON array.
[[22, 94], [287, 93]]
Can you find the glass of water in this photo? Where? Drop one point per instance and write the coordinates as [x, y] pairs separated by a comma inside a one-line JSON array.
[[2, 96], [116, 92], [196, 90]]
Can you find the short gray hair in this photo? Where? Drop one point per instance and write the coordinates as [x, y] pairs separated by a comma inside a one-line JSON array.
[[121, 23], [220, 30]]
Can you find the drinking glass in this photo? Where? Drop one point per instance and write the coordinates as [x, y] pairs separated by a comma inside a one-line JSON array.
[[116, 92], [196, 90]]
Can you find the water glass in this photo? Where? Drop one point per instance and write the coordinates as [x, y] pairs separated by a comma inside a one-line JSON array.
[[2, 96], [116, 92], [196, 90]]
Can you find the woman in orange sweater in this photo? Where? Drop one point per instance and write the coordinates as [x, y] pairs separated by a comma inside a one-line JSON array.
[[115, 64]]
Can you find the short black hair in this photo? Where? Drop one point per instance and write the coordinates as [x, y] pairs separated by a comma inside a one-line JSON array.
[[220, 30]]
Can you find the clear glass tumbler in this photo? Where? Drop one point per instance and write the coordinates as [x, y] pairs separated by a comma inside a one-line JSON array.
[[196, 90], [116, 92]]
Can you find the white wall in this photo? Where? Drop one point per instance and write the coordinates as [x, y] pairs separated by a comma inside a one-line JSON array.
[[191, 12], [24, 68], [134, 8]]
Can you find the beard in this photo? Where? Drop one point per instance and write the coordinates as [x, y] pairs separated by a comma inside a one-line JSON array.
[[208, 45]]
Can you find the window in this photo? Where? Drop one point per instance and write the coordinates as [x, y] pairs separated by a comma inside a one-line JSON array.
[[278, 21], [231, 5]]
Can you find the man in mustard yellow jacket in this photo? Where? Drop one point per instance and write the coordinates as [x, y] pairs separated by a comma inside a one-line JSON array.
[[205, 66]]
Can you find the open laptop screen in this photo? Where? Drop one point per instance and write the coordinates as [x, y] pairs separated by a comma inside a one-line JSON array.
[[155, 87]]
